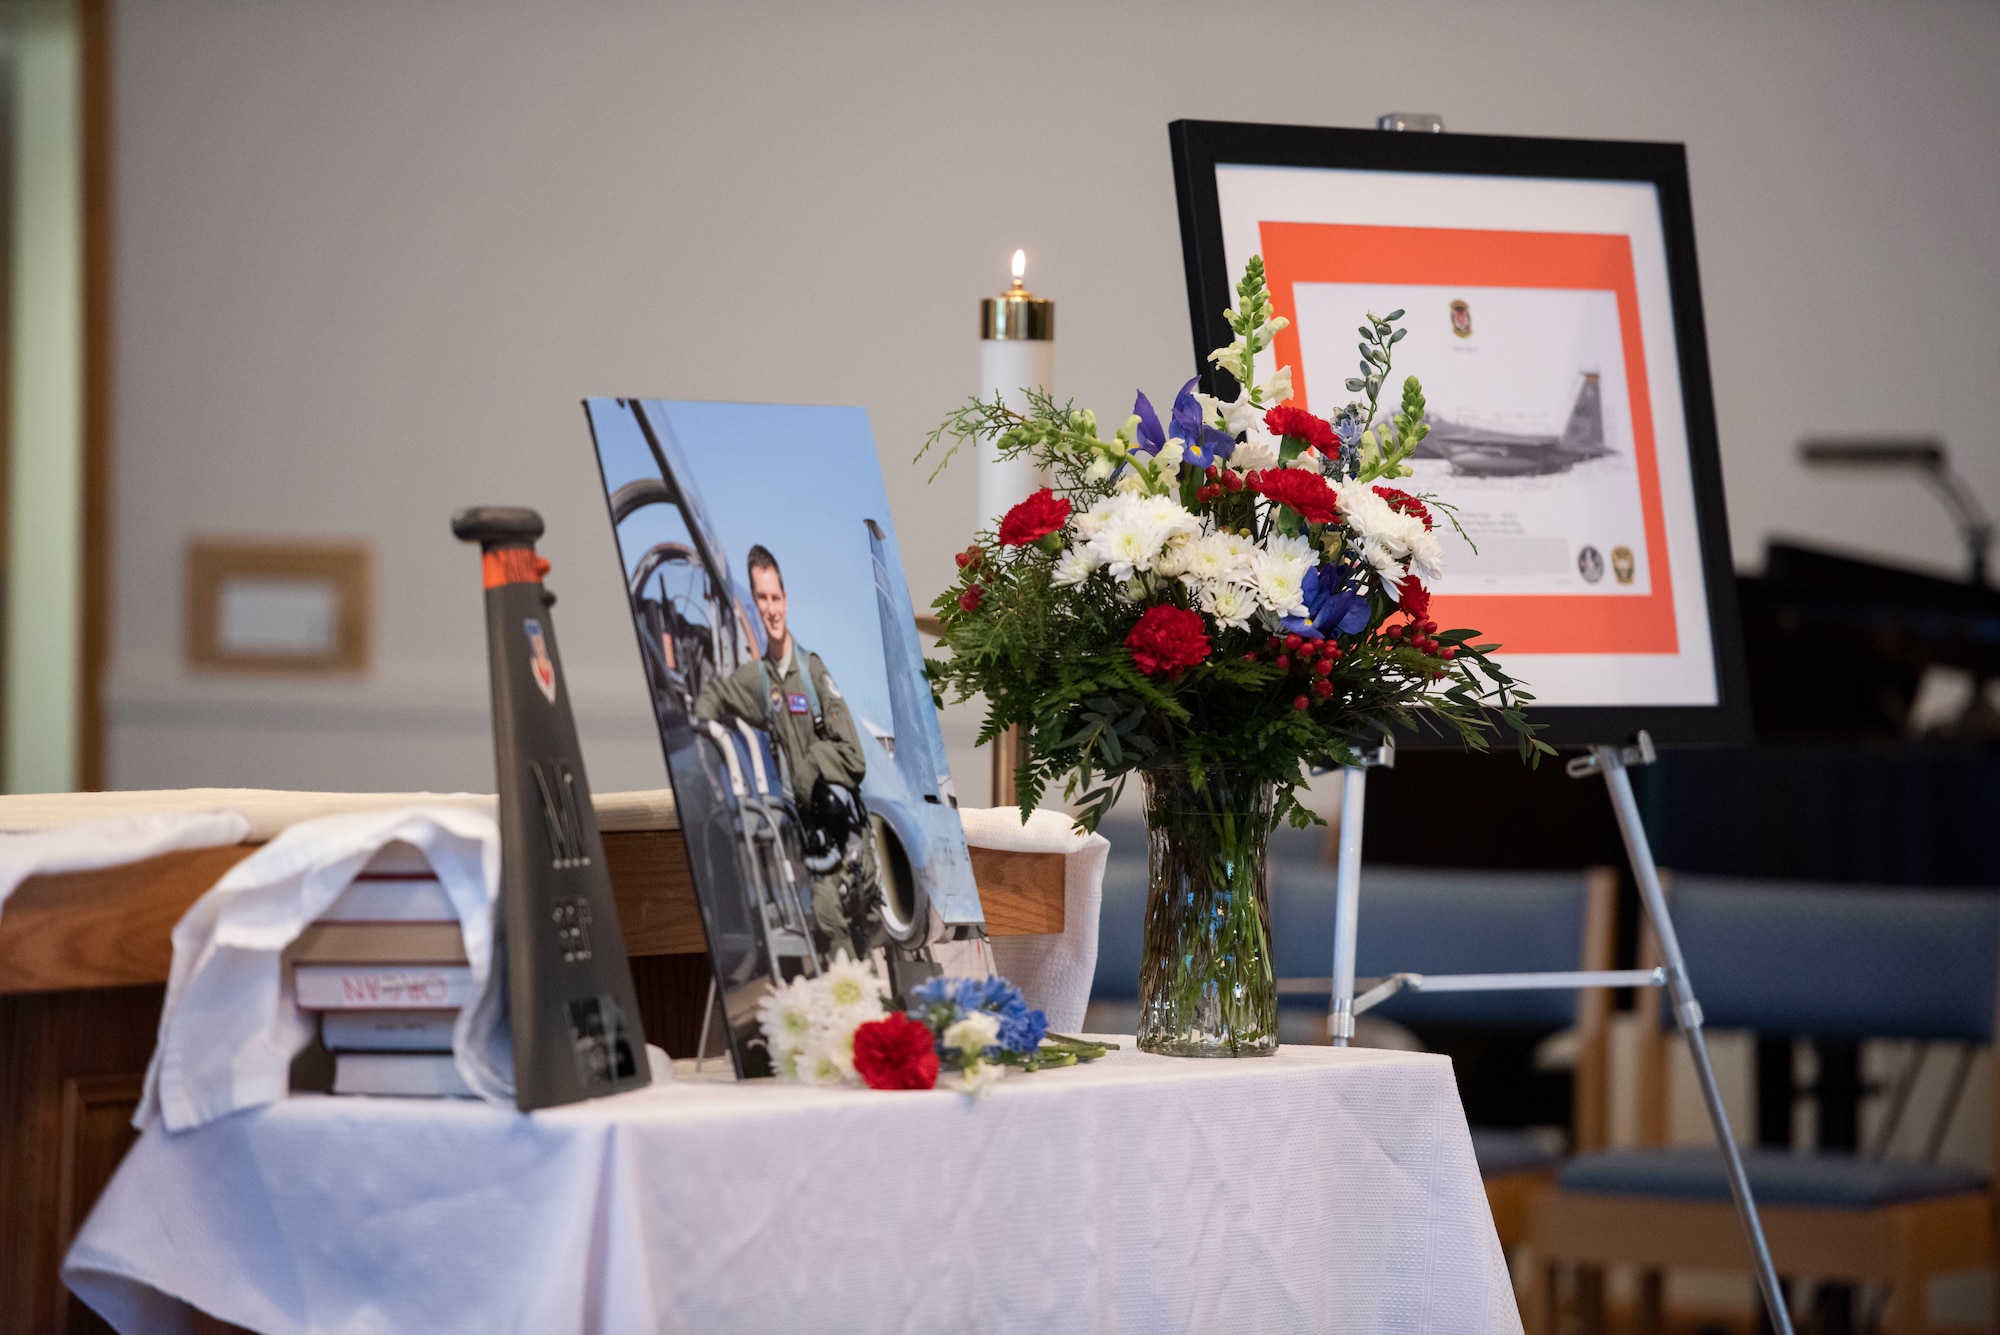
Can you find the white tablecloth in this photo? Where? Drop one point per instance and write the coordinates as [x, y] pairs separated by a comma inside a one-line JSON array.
[[1316, 1190]]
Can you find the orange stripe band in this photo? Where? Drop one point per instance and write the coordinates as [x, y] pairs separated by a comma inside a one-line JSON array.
[[512, 565]]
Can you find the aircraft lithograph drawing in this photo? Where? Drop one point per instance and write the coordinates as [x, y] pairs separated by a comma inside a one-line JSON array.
[[1476, 451]]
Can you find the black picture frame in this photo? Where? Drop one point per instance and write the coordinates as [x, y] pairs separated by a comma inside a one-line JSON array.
[[1198, 146]]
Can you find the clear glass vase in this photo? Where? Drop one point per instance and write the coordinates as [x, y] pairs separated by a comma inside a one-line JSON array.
[[1207, 983]]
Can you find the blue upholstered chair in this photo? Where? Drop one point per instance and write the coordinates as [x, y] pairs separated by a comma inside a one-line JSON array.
[[1438, 921], [1809, 961]]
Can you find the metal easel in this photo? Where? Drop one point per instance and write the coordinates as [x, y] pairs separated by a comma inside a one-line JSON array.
[[1612, 762]]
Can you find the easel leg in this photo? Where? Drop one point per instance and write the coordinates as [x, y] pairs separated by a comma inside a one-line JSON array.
[[1347, 903], [707, 1014], [1687, 1015]]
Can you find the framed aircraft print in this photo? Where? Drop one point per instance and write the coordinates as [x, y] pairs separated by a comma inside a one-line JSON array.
[[1553, 312]]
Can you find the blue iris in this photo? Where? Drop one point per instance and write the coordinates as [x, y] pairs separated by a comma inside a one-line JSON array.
[[1201, 443], [1333, 605]]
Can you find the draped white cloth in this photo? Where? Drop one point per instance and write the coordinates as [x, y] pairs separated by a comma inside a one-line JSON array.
[[1315, 1190], [229, 1029], [89, 844], [1053, 971]]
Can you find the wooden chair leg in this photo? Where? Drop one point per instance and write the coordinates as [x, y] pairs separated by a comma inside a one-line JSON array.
[[1540, 1318], [1590, 1298], [1652, 1303], [1906, 1301]]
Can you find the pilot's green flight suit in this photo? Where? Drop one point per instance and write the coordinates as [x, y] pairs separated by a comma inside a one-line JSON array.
[[776, 696]]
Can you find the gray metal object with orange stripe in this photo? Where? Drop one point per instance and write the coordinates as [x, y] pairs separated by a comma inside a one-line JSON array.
[[574, 1015]]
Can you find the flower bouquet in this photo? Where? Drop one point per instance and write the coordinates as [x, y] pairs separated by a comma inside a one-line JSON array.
[[1222, 601], [835, 1028]]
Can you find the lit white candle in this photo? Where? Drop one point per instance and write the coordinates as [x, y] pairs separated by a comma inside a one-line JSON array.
[[1017, 352]]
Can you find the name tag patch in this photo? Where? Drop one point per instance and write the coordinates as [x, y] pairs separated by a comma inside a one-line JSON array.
[[797, 704]]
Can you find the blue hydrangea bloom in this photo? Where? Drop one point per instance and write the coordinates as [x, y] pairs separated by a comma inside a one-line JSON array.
[[1021, 1029]]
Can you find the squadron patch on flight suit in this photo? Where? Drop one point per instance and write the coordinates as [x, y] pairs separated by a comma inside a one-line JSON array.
[[797, 704]]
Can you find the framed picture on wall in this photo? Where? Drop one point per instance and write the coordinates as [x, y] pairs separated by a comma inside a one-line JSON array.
[[1553, 312]]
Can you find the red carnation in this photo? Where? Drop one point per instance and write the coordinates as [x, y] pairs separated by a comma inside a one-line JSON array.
[[895, 1053], [1404, 503], [1302, 489], [1037, 517], [1285, 420], [1413, 597], [1168, 639]]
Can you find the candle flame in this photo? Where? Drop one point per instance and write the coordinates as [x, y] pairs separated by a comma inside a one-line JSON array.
[[1020, 264]]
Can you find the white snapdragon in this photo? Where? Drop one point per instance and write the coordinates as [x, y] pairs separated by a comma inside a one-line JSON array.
[[1235, 415], [1276, 390]]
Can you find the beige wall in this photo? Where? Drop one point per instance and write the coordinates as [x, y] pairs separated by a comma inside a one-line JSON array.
[[370, 255]]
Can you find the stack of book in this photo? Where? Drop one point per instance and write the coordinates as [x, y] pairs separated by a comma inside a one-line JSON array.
[[385, 972]]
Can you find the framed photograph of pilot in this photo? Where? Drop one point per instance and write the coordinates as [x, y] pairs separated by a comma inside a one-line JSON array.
[[1553, 312], [781, 653]]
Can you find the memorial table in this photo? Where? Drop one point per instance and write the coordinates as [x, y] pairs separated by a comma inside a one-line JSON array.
[[1316, 1190], [84, 958]]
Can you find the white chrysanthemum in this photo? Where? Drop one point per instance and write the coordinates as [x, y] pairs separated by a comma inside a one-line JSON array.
[[1230, 603], [819, 1064], [788, 1015], [1173, 558], [1239, 548], [1257, 449], [1387, 538], [1074, 566], [1294, 548], [1279, 580], [1129, 545], [1426, 554], [1127, 531], [1094, 520], [1214, 557], [852, 992]]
